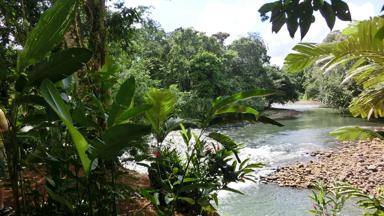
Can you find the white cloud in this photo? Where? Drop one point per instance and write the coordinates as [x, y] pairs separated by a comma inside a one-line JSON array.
[[238, 17], [280, 44]]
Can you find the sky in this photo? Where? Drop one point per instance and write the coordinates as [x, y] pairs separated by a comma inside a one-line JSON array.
[[238, 17]]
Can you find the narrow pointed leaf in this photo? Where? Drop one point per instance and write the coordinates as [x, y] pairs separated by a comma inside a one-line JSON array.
[[123, 100], [52, 96], [48, 33], [221, 102], [328, 14], [60, 65], [118, 138]]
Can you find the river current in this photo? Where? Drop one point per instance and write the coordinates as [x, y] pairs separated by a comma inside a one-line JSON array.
[[279, 146]]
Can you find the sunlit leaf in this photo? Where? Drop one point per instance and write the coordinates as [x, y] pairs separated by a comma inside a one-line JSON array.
[[123, 100], [52, 96], [220, 102], [355, 133], [48, 33], [163, 102]]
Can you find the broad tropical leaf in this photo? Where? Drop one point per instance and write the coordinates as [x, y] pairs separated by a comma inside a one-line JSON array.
[[52, 96], [236, 108], [227, 142], [123, 100], [266, 120], [132, 112], [364, 49], [220, 102], [355, 133], [118, 138], [48, 33], [228, 118], [163, 102], [60, 65]]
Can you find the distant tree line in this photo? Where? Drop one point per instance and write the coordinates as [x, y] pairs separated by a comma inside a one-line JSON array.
[[202, 67]]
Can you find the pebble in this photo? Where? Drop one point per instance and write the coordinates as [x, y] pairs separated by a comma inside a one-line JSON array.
[[360, 164]]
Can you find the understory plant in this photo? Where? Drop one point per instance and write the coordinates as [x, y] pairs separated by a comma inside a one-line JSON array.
[[329, 200], [62, 138], [187, 174]]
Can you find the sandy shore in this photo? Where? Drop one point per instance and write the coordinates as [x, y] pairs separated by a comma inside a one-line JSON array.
[[361, 164]]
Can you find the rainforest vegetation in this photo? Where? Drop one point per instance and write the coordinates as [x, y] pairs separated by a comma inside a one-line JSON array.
[[87, 86]]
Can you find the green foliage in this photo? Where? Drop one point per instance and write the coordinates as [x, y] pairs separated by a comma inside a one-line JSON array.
[[118, 138], [189, 182], [162, 102], [123, 100], [363, 51], [52, 97], [202, 67], [206, 74], [327, 201], [48, 33], [60, 65], [222, 102], [330, 200], [299, 14], [327, 88], [355, 133], [75, 106]]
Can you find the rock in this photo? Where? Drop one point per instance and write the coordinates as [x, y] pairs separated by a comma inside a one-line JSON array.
[[372, 168], [361, 164], [313, 154]]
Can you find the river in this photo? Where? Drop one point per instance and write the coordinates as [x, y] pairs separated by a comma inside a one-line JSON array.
[[279, 146]]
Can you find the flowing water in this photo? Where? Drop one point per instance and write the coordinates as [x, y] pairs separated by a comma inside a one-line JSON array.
[[279, 146]]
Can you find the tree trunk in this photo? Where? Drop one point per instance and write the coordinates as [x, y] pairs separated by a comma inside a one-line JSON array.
[[97, 38]]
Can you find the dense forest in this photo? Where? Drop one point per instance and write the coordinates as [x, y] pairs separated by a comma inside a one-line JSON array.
[[88, 86], [199, 67]]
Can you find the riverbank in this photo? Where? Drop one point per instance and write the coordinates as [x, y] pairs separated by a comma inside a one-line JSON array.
[[361, 164], [279, 112], [282, 114]]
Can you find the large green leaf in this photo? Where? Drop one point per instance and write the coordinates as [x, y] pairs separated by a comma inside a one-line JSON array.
[[220, 102], [362, 49], [119, 137], [123, 100], [48, 33], [132, 112], [355, 133], [266, 120], [60, 65], [228, 118], [236, 108], [163, 102], [52, 96], [227, 142]]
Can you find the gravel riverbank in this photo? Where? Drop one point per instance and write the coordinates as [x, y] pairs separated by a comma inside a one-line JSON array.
[[359, 163]]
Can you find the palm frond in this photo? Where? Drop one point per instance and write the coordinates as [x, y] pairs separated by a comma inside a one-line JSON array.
[[361, 47]]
